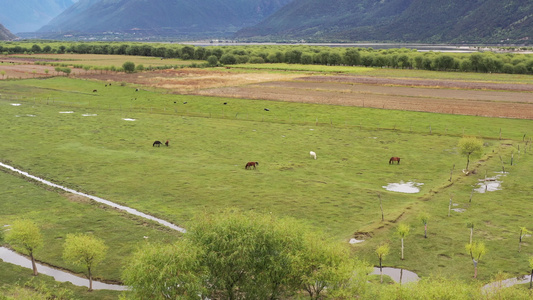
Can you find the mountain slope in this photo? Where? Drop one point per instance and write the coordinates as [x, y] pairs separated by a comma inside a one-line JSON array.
[[162, 15], [6, 35], [398, 21], [30, 15]]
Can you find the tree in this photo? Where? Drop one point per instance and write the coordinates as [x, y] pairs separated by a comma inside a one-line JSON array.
[[228, 59], [470, 147], [25, 237], [382, 251], [128, 66], [424, 217], [241, 255], [523, 232], [84, 250], [212, 61], [66, 70], [352, 57], [403, 231], [166, 272], [476, 251], [3, 73]]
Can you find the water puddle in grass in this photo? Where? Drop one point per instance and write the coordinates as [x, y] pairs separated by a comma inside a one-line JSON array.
[[490, 184], [66, 112], [15, 104], [404, 187], [89, 115], [12, 257], [128, 119], [398, 275], [97, 199], [496, 285], [355, 241]]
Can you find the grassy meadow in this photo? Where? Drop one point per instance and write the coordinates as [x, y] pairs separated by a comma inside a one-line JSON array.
[[101, 144]]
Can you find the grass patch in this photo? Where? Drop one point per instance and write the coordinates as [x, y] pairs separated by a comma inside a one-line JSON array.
[[203, 169]]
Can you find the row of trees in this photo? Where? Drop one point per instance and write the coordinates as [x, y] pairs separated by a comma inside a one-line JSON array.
[[245, 255], [79, 249], [485, 62]]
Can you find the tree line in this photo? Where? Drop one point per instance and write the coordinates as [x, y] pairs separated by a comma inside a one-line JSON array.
[[401, 58]]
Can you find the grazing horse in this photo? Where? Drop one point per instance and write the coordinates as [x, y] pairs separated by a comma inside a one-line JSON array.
[[166, 143], [158, 143], [94, 91], [393, 159], [312, 154], [251, 164]]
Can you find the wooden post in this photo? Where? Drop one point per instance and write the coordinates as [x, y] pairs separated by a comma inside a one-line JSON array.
[[450, 205], [451, 173], [381, 207]]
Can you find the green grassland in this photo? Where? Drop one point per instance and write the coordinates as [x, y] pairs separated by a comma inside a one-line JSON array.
[[203, 170]]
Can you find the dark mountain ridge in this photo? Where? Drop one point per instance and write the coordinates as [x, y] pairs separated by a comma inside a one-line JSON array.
[[163, 16], [443, 21]]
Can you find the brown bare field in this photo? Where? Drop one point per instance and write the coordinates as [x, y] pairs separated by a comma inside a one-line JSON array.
[[480, 98]]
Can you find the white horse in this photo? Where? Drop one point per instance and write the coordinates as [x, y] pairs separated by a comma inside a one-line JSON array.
[[313, 154]]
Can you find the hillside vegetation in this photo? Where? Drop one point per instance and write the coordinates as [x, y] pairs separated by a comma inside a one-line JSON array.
[[449, 21]]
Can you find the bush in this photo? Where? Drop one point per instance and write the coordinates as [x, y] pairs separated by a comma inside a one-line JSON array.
[[129, 67]]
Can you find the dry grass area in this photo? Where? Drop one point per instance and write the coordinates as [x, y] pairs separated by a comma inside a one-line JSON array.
[[489, 99]]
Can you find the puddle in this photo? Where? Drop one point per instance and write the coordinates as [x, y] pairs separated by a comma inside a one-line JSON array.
[[18, 116], [403, 187], [490, 184], [355, 241], [395, 274], [66, 112], [494, 286], [12, 257], [459, 210], [128, 119], [97, 199], [89, 115], [15, 104]]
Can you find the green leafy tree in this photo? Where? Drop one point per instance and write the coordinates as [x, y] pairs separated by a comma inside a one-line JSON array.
[[170, 271], [3, 73], [241, 255], [84, 250], [382, 251], [402, 231], [476, 251], [25, 237], [228, 59], [128, 66], [66, 70], [212, 61], [352, 57], [471, 147], [424, 218]]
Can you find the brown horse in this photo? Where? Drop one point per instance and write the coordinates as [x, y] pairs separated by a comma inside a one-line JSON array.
[[393, 159], [166, 143], [251, 164]]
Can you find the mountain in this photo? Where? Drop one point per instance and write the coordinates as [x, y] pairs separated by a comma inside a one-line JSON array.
[[30, 15], [432, 21], [162, 16], [6, 34]]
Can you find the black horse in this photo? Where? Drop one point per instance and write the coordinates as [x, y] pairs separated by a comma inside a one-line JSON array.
[[157, 143]]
